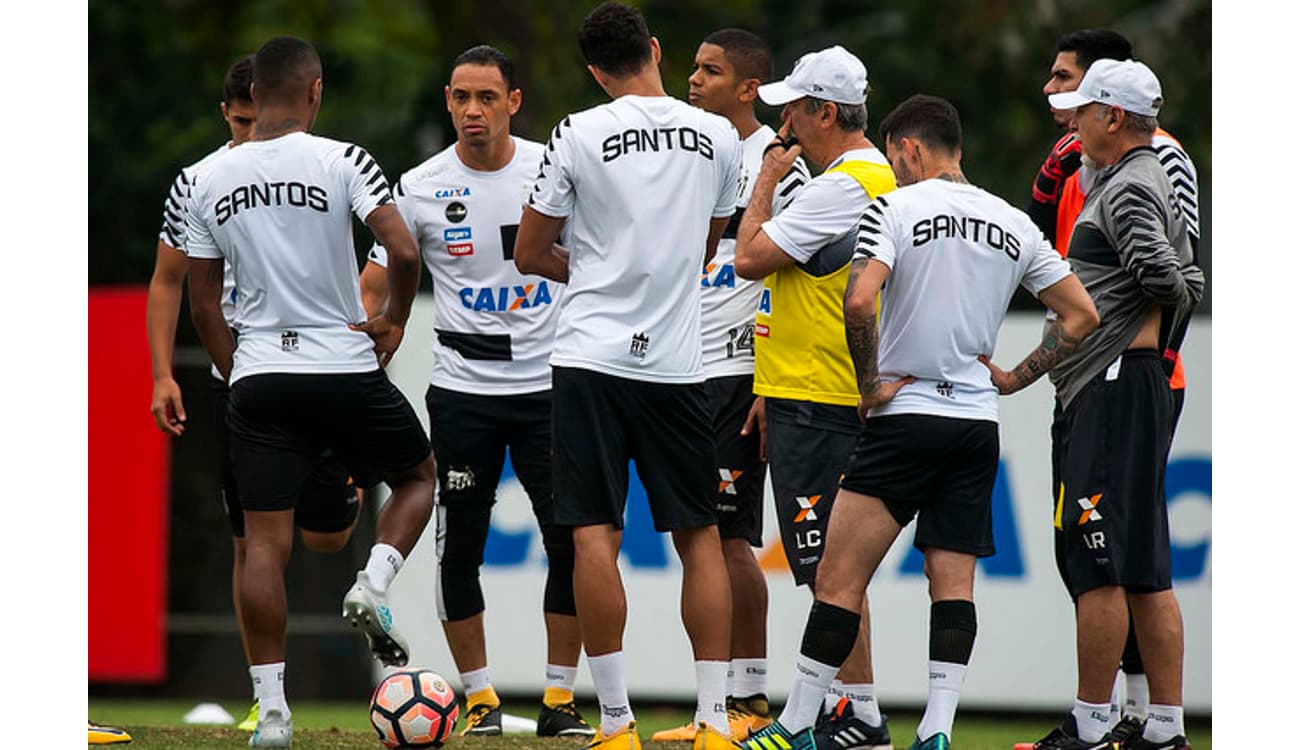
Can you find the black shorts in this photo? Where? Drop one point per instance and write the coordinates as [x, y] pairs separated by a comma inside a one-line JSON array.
[[739, 500], [470, 434], [1109, 451], [281, 423], [939, 470], [808, 446], [329, 498], [600, 422]]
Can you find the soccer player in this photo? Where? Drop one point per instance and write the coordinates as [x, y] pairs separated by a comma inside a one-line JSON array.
[[1113, 423], [647, 184], [953, 255], [490, 387], [803, 368], [306, 375], [729, 67], [1058, 194], [332, 506]]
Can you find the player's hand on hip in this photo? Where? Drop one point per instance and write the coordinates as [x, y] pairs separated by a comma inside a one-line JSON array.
[[1004, 381], [780, 154], [386, 334], [881, 393], [757, 417], [167, 407]]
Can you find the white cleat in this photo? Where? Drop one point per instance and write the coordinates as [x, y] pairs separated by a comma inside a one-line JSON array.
[[273, 730], [367, 608]]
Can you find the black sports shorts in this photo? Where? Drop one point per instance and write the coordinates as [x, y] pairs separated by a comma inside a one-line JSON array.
[[1109, 451], [939, 470], [281, 423], [600, 422], [739, 499]]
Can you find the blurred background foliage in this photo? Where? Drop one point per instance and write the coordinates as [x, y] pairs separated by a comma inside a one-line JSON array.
[[156, 70]]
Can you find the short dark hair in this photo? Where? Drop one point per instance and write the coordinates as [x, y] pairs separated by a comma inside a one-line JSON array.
[[239, 80], [747, 53], [615, 39], [929, 119], [1091, 45], [283, 67], [486, 54]]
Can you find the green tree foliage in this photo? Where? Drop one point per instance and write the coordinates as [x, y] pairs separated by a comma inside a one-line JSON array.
[[156, 72]]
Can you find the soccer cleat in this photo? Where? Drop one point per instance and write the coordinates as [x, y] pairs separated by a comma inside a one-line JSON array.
[[624, 739], [1066, 737], [250, 722], [98, 734], [273, 730], [684, 733], [844, 731], [563, 721], [745, 716], [708, 738], [1129, 726], [366, 608], [776, 737], [483, 720], [936, 741], [1138, 742]]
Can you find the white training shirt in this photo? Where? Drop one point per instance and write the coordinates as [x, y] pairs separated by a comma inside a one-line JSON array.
[[727, 319], [639, 178], [956, 255], [826, 209], [279, 212], [493, 326], [173, 226]]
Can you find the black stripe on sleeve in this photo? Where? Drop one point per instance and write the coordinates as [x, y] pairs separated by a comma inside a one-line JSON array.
[[369, 166], [376, 176], [794, 184], [381, 187], [384, 201], [361, 154], [348, 154]]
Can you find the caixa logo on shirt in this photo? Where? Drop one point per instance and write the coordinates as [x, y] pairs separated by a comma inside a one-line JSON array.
[[505, 298], [451, 192]]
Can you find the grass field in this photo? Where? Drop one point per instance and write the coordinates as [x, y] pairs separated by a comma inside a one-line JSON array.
[[330, 726]]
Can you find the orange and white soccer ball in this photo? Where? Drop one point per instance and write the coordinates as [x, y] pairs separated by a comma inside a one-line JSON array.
[[413, 708]]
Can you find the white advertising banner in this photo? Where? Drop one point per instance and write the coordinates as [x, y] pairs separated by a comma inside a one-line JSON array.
[[1024, 653]]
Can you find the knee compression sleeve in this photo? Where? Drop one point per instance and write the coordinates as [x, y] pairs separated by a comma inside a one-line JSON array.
[[829, 635], [952, 631], [462, 535]]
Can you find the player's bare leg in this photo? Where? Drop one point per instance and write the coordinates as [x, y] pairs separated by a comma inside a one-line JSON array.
[[602, 616], [268, 540], [1159, 624], [706, 613], [748, 600], [952, 637]]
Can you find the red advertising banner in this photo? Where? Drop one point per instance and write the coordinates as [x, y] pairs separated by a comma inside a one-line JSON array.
[[128, 477]]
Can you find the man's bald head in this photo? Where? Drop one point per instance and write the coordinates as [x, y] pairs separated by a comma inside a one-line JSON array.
[[284, 70]]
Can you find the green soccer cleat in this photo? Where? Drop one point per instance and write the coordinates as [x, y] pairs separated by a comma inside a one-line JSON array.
[[936, 741], [250, 722], [776, 737]]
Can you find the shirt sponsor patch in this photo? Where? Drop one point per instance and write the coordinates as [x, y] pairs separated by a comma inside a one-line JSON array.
[[460, 248], [457, 234]]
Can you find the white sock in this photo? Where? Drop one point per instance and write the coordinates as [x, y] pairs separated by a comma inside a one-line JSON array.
[[946, 679], [1137, 698], [1163, 723], [476, 681], [750, 678], [863, 697], [383, 565], [711, 692], [1092, 719], [833, 695], [811, 681], [1116, 702], [561, 677], [268, 688], [608, 674]]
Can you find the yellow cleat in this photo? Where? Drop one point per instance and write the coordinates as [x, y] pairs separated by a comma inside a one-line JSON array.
[[746, 716], [624, 739], [249, 723], [684, 733], [708, 738], [98, 734]]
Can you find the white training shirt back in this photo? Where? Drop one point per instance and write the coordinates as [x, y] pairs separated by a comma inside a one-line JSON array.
[[493, 326], [173, 226], [639, 179], [956, 255], [280, 213], [727, 318]]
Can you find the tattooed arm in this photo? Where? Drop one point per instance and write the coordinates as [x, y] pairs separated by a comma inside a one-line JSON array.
[[866, 277], [1076, 317]]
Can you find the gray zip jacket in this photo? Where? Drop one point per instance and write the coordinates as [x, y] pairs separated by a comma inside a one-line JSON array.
[[1131, 248]]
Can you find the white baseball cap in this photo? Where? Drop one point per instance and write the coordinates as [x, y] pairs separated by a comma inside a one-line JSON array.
[[1127, 84], [833, 74]]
